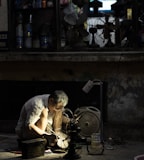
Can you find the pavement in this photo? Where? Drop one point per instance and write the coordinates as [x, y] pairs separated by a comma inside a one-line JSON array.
[[116, 151]]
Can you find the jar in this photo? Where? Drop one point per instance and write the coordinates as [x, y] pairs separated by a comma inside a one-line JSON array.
[[95, 139]]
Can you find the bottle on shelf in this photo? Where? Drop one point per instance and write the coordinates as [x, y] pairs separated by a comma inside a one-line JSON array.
[[63, 37], [28, 33], [43, 39], [45, 36], [38, 3], [18, 4], [36, 41], [19, 31], [50, 3], [44, 3]]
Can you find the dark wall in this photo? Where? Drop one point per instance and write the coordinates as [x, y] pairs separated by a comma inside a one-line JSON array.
[[14, 94]]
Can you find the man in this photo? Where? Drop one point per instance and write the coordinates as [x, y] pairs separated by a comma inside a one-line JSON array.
[[42, 115]]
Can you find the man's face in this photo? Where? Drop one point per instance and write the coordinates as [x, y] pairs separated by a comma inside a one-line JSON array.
[[55, 107], [58, 107]]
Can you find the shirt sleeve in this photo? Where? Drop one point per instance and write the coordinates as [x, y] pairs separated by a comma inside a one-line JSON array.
[[34, 111]]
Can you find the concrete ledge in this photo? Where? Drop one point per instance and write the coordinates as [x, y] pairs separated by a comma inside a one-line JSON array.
[[77, 56]]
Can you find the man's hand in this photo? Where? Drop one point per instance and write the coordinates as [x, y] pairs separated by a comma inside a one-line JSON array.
[[61, 135], [46, 133], [75, 119]]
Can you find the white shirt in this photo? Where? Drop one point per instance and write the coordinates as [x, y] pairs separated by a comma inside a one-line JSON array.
[[31, 111]]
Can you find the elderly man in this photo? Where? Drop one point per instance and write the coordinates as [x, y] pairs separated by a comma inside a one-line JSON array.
[[43, 115]]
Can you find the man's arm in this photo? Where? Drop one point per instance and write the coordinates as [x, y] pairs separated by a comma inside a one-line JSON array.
[[41, 124]]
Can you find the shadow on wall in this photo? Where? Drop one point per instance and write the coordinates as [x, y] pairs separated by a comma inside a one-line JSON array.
[[125, 100]]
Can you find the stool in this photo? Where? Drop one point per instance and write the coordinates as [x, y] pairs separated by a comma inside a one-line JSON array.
[[33, 148]]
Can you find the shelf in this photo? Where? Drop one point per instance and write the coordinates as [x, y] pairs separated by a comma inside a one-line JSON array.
[[43, 34], [77, 56]]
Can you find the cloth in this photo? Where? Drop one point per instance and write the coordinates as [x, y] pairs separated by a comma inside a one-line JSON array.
[[30, 113]]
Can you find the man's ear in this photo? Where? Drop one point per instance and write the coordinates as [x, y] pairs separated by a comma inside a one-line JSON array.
[[51, 101]]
